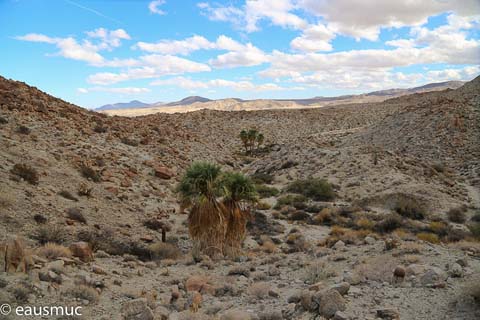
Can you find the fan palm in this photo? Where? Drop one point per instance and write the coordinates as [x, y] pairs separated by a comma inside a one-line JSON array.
[[238, 192], [207, 222], [252, 137], [260, 139], [244, 138]]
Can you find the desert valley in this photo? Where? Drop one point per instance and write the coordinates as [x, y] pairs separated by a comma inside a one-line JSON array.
[[368, 210]]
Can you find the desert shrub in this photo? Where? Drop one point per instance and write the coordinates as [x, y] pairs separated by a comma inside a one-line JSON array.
[[49, 233], [377, 268], [6, 198], [163, 250], [99, 128], [323, 217], [263, 205], [316, 189], [365, 223], [83, 292], [52, 251], [129, 142], [3, 120], [21, 293], [76, 215], [455, 235], [429, 237], [457, 215], [439, 167], [475, 229], [261, 178], [438, 227], [294, 200], [67, 195], [84, 190], [475, 217], [39, 218], [317, 272], [25, 172], [389, 223], [259, 290], [90, 173], [99, 239], [472, 289], [266, 191], [23, 130], [410, 208]]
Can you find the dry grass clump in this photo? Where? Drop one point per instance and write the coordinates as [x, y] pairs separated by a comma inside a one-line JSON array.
[[263, 206], [457, 215], [429, 237], [25, 172], [440, 228], [317, 272], [163, 250], [76, 215], [316, 189], [83, 292], [324, 217], [259, 290], [90, 173], [52, 251], [348, 236], [21, 292], [365, 223], [84, 190], [49, 233]]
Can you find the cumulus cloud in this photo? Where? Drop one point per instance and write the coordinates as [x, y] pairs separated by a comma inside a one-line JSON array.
[[365, 18], [151, 66], [183, 47], [87, 50], [314, 38], [124, 90], [154, 7]]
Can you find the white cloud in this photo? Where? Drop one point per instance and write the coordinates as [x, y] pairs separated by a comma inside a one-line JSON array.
[[124, 90], [314, 38], [86, 51], [249, 55], [153, 6], [248, 16], [151, 66], [183, 47], [365, 18], [243, 85], [465, 74]]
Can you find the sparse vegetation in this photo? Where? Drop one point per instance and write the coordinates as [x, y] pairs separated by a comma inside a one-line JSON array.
[[23, 130], [294, 200], [317, 272], [3, 120], [457, 215], [49, 233], [162, 250], [313, 188], [83, 292], [266, 191], [129, 142], [90, 173], [410, 208], [262, 178], [475, 229], [26, 172], [53, 251], [429, 237], [389, 223]]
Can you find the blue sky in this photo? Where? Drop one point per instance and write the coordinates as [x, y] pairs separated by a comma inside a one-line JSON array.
[[97, 52]]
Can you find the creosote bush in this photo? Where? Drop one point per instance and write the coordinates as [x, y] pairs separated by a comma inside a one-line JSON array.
[[389, 223], [410, 208], [25, 172], [313, 188], [457, 215], [49, 233]]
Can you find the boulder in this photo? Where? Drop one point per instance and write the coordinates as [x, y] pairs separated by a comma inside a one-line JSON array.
[[137, 310], [82, 251], [330, 302], [163, 172]]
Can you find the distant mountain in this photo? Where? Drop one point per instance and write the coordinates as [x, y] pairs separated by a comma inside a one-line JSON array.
[[124, 105], [193, 103], [188, 101]]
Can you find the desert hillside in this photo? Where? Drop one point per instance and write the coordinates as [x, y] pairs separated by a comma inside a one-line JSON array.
[[397, 239]]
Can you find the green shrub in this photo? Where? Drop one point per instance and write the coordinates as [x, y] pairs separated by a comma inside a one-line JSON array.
[[429, 237], [389, 223], [294, 200], [457, 215], [260, 178], [49, 233], [475, 229], [266, 191], [316, 189], [25, 172], [410, 208]]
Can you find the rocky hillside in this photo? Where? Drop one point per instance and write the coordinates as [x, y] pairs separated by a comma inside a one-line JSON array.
[[399, 238]]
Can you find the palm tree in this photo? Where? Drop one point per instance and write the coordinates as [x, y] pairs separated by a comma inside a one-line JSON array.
[[260, 139], [244, 138], [207, 220], [252, 136], [238, 192]]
